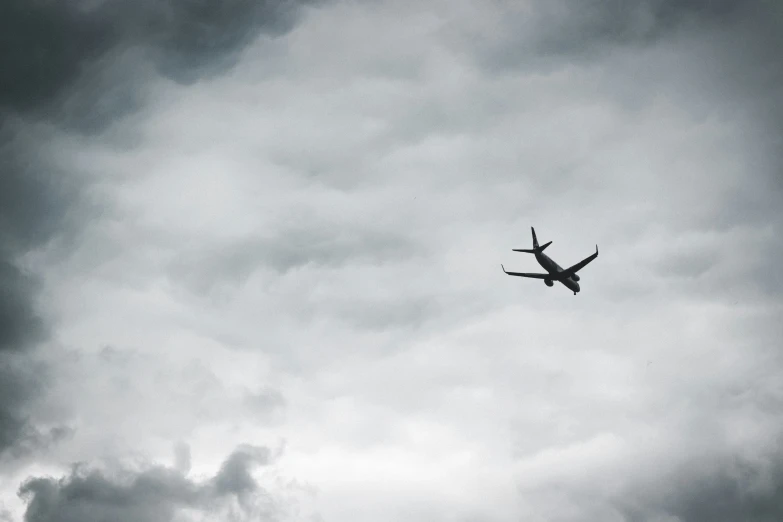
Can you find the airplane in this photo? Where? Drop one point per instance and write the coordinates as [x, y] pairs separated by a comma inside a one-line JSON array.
[[567, 277]]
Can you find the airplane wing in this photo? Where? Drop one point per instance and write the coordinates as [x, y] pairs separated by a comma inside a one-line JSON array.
[[568, 272], [521, 274]]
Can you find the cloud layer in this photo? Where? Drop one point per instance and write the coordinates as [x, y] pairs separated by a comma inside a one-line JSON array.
[[250, 221], [155, 493], [74, 68]]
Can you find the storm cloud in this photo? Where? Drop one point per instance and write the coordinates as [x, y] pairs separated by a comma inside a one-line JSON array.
[[80, 66], [289, 225], [157, 493], [50, 50], [34, 208]]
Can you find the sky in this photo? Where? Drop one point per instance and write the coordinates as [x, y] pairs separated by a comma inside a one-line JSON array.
[[250, 260]]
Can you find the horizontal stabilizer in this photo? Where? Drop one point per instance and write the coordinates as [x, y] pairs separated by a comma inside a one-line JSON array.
[[532, 250]]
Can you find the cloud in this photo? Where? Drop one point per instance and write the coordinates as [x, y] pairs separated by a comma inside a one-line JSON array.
[[18, 381], [124, 401], [723, 488], [81, 66], [547, 35], [33, 209], [324, 224], [156, 493], [234, 476], [724, 53], [315, 244], [20, 324], [51, 48]]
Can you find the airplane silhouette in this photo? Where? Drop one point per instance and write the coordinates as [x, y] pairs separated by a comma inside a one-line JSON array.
[[554, 273]]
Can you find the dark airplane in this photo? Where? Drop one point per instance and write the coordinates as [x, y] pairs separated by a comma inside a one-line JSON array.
[[568, 276]]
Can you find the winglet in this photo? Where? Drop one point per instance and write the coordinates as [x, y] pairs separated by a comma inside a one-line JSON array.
[[596, 249], [504, 268]]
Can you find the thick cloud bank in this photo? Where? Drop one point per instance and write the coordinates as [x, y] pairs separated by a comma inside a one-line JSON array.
[[155, 494], [243, 221], [78, 65]]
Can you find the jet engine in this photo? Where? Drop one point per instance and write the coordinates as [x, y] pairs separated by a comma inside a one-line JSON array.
[[575, 277], [549, 282]]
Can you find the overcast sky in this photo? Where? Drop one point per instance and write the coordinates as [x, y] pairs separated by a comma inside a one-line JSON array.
[[250, 260]]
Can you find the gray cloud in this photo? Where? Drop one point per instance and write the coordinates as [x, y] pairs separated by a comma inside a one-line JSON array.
[[315, 246], [735, 73], [33, 208], [50, 47], [718, 61], [182, 458], [647, 179], [724, 489], [19, 324], [45, 47], [156, 494], [721, 497], [17, 384], [84, 383], [234, 476], [551, 34], [80, 65]]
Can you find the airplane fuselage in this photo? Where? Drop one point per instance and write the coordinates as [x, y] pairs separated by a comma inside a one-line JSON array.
[[551, 267], [554, 272]]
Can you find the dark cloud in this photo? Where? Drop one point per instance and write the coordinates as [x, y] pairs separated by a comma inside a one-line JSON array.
[[587, 26], [544, 30], [183, 54], [723, 490], [722, 498], [49, 46], [203, 36], [153, 494], [19, 324], [45, 44], [21, 379], [234, 476], [78, 64], [719, 57], [33, 207], [16, 384]]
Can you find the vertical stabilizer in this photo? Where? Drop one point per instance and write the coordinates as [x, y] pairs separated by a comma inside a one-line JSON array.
[[536, 249]]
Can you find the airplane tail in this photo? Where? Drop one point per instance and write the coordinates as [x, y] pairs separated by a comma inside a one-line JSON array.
[[536, 249]]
